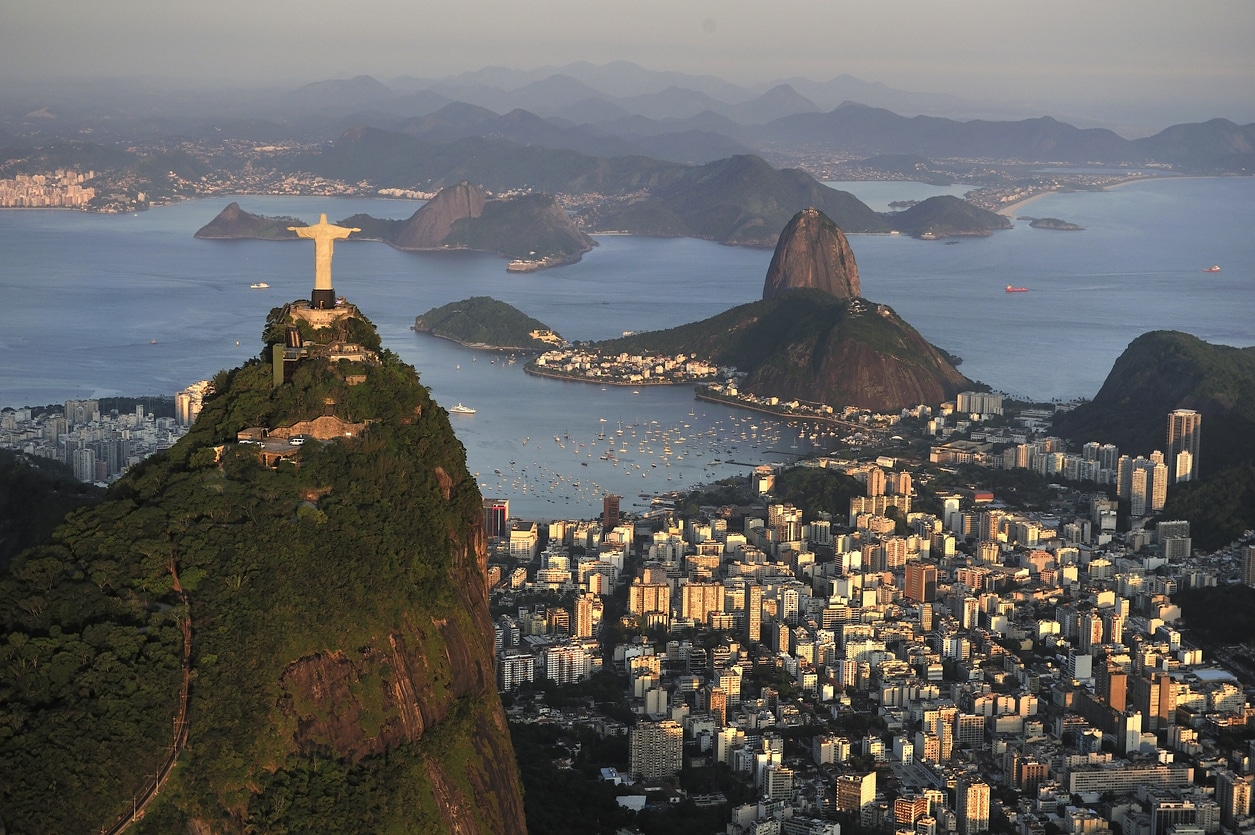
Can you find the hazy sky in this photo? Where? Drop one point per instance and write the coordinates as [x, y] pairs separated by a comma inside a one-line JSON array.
[[1192, 55]]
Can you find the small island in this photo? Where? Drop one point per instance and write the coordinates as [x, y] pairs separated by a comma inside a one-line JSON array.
[[484, 322], [1055, 223], [945, 216]]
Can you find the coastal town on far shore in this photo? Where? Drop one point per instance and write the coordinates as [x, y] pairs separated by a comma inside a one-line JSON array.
[[997, 184]]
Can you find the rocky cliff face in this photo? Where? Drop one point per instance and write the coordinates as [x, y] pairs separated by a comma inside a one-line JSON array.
[[812, 253], [430, 226]]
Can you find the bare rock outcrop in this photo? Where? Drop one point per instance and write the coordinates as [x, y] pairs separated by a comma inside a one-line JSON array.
[[430, 226], [812, 253]]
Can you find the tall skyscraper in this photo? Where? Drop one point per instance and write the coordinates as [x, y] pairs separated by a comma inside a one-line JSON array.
[[609, 512], [754, 612], [854, 791], [921, 582], [656, 749], [1233, 793], [496, 512], [1184, 430], [973, 806], [1248, 565], [584, 616]]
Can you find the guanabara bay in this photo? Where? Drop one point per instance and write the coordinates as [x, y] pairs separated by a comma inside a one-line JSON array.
[[279, 625]]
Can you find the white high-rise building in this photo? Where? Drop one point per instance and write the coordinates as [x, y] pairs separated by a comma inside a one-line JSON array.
[[1184, 430]]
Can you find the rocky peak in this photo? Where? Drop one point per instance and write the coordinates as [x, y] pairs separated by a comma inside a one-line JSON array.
[[431, 225], [812, 253]]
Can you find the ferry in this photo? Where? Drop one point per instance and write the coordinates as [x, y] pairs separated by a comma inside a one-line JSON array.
[[1214, 268], [261, 285], [459, 409], [1011, 289]]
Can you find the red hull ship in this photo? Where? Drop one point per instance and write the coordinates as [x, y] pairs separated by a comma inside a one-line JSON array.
[[1011, 289]]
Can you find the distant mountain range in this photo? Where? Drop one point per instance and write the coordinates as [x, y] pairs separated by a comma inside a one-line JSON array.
[[615, 109], [653, 125]]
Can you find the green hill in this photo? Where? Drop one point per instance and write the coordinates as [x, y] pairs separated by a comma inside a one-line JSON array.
[[946, 216], [482, 321], [739, 200], [1165, 370], [324, 606], [810, 345]]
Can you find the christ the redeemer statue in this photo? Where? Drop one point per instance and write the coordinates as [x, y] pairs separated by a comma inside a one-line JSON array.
[[324, 236]]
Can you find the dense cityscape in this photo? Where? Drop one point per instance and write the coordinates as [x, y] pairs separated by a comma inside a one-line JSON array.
[[959, 668]]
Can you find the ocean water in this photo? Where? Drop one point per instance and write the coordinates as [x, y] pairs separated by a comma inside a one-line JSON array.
[[133, 304]]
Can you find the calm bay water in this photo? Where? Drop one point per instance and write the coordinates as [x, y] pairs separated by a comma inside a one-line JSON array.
[[101, 305]]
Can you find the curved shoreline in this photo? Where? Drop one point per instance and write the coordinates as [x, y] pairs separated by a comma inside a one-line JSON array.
[[481, 346], [1124, 181], [531, 369]]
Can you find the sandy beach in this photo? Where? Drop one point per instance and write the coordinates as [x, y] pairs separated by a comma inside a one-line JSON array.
[[1011, 209]]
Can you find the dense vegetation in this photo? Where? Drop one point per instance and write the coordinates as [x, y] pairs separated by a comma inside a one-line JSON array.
[[482, 320], [355, 557], [817, 489], [1219, 509], [35, 496], [1219, 614], [945, 215]]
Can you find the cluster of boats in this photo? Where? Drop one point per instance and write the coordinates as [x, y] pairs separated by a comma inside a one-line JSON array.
[[664, 457]]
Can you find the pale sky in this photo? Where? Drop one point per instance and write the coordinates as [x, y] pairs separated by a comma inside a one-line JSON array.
[[1193, 56]]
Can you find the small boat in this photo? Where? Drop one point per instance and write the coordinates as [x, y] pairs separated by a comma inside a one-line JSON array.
[[1011, 289], [261, 285], [1214, 268], [459, 409]]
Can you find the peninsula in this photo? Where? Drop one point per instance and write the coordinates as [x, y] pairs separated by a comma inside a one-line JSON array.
[[529, 229]]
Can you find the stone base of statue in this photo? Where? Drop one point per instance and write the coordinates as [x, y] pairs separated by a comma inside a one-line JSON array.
[[322, 299]]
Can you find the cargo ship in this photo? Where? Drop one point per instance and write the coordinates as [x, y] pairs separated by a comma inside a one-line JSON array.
[[1011, 289]]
